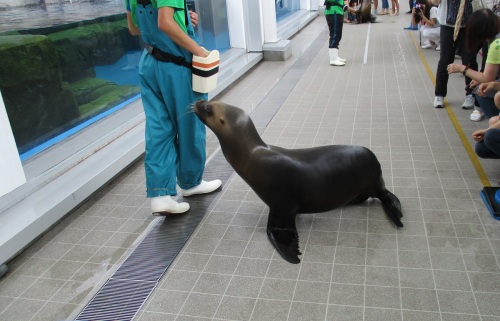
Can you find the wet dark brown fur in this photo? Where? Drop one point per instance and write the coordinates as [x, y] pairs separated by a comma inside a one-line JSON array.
[[293, 181]]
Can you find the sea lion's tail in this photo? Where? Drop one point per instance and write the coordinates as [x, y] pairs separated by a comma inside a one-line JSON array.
[[392, 207]]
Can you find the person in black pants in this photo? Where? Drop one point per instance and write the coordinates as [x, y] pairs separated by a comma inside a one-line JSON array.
[[410, 2], [449, 47]]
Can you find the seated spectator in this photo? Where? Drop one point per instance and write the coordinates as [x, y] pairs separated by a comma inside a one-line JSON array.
[[426, 13], [488, 140], [482, 25], [351, 11], [364, 12], [492, 86]]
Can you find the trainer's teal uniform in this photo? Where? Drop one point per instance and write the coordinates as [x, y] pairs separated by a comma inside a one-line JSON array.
[[175, 137]]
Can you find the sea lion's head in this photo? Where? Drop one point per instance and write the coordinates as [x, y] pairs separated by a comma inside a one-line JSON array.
[[220, 117]]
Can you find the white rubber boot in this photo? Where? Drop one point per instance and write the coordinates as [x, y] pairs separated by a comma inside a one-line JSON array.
[[334, 57], [165, 205], [203, 188], [342, 59]]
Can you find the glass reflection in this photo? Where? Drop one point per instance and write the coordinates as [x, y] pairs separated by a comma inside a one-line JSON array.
[[66, 65], [285, 8]]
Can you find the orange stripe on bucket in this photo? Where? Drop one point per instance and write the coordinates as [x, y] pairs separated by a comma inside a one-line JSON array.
[[203, 65]]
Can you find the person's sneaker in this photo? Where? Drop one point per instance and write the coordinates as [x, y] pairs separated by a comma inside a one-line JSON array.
[[165, 206], [438, 47], [438, 102], [426, 46], [468, 102], [203, 188], [476, 115]]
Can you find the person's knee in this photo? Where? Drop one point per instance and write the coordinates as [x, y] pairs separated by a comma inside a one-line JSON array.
[[492, 136], [487, 105], [493, 120], [479, 149], [497, 99]]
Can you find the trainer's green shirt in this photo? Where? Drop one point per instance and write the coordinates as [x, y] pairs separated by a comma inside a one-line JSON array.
[[178, 5], [334, 9]]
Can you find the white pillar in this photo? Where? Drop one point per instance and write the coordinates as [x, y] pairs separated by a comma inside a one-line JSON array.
[[11, 169], [269, 17]]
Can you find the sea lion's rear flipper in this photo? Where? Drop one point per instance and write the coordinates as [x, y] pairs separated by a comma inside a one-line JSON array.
[[283, 235], [392, 207], [286, 242]]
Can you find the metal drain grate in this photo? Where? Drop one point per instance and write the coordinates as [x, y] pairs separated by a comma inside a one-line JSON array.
[[126, 291], [117, 300]]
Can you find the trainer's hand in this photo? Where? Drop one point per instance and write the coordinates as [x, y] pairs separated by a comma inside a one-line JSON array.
[[194, 18]]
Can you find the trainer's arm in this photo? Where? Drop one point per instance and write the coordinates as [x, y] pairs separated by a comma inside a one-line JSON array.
[[167, 24], [134, 31]]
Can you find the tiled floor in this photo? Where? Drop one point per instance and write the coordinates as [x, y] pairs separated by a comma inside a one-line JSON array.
[[443, 265]]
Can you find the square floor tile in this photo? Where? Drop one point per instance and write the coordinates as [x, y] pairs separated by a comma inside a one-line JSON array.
[[382, 297], [235, 308], [346, 294], [307, 311], [344, 313]]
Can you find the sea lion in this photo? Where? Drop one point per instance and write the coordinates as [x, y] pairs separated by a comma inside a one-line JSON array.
[[364, 13], [293, 181]]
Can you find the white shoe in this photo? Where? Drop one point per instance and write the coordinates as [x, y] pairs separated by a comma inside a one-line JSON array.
[[476, 115], [426, 46], [203, 188], [469, 102], [438, 102], [165, 205], [334, 57], [342, 59], [438, 47]]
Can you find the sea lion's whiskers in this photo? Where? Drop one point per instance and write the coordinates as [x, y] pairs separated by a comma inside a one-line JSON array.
[[189, 111]]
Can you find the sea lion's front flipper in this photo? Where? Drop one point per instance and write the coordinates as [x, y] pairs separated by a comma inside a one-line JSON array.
[[283, 235], [392, 207]]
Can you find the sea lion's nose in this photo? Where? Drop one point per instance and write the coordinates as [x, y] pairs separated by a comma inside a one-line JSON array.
[[200, 103]]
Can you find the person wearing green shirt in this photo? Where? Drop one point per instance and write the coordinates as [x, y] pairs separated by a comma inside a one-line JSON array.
[[175, 137], [334, 13]]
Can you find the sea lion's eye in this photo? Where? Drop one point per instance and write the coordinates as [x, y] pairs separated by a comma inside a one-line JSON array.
[[208, 109]]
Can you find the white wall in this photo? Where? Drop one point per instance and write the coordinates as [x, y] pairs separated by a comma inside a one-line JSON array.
[[236, 22], [269, 18], [11, 169]]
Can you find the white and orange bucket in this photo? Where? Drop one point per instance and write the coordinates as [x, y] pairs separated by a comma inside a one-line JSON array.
[[205, 70]]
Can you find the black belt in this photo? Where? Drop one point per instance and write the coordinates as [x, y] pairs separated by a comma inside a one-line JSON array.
[[178, 60], [167, 57]]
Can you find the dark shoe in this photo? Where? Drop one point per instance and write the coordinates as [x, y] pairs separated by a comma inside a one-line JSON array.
[[411, 28], [408, 12]]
